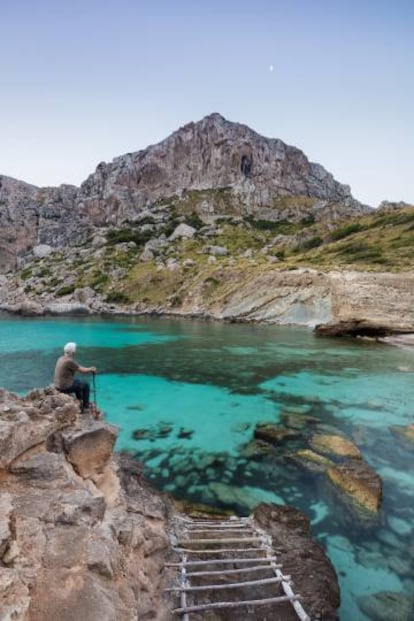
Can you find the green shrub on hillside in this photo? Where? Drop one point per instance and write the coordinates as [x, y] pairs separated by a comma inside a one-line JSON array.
[[98, 280], [308, 244], [281, 226], [66, 290], [345, 231], [361, 251], [117, 297], [117, 236]]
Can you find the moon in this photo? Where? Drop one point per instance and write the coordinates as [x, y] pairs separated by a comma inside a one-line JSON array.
[[271, 68]]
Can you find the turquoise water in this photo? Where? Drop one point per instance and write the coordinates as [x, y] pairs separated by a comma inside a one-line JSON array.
[[187, 396]]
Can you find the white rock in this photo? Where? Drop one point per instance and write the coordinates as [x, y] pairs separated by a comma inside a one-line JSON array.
[[146, 255], [183, 230], [218, 251], [42, 250]]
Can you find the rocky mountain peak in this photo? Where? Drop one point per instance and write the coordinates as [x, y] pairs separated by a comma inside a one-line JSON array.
[[213, 167]]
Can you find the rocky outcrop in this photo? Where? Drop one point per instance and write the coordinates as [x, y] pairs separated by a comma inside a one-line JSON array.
[[72, 543], [353, 303], [290, 531], [83, 536], [213, 167]]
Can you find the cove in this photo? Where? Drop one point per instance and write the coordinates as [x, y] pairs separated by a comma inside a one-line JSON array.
[[188, 394]]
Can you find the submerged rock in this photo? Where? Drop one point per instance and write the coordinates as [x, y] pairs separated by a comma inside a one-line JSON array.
[[359, 482], [404, 432], [335, 445], [387, 606], [312, 461], [256, 449], [274, 434]]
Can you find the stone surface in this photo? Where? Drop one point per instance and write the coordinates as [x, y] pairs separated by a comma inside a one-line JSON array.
[[387, 606], [90, 448], [73, 544], [311, 460], [274, 434], [334, 445], [359, 482], [404, 432], [302, 558]]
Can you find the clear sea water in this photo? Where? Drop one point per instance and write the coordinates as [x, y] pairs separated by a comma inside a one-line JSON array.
[[188, 394]]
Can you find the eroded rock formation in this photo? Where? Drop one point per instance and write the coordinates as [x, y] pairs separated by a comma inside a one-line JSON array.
[[212, 167]]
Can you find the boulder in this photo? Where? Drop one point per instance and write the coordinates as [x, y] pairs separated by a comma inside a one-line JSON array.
[[359, 482], [183, 230], [90, 448], [312, 461], [334, 445], [27, 424], [274, 434], [42, 250]]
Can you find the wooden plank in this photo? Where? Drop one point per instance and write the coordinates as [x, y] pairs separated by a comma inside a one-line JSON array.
[[217, 550], [221, 530], [230, 585], [227, 540], [227, 561], [251, 602], [240, 570], [183, 595]]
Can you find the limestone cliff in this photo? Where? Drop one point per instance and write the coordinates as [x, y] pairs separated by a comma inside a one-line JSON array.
[[212, 167]]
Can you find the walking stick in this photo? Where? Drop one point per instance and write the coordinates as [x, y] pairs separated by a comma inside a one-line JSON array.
[[94, 389], [96, 412]]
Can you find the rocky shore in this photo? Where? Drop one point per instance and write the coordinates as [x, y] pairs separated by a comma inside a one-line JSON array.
[[83, 536], [338, 303]]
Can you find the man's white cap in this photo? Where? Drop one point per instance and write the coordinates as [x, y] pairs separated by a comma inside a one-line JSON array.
[[70, 348]]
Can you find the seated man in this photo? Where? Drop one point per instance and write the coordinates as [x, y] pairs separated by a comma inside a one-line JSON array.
[[64, 379]]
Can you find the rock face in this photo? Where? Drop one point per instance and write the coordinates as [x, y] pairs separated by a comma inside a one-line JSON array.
[[215, 167], [72, 543], [83, 536]]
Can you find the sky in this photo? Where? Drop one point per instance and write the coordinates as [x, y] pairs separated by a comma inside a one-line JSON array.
[[83, 81]]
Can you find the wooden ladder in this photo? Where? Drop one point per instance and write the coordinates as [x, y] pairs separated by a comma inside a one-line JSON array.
[[224, 551]]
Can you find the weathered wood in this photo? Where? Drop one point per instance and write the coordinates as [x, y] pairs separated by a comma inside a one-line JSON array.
[[286, 586], [251, 602], [220, 530], [220, 550], [183, 595], [230, 585], [240, 570], [226, 561], [227, 540]]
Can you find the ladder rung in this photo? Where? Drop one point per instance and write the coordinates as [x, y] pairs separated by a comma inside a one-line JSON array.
[[251, 602], [230, 585], [192, 551], [228, 561], [222, 572], [227, 540]]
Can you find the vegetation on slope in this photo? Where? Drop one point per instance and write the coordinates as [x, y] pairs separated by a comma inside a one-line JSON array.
[[230, 248]]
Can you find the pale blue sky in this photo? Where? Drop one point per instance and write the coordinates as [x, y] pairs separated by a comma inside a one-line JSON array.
[[86, 80]]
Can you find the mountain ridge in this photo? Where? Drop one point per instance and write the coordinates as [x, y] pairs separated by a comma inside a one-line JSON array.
[[246, 174]]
